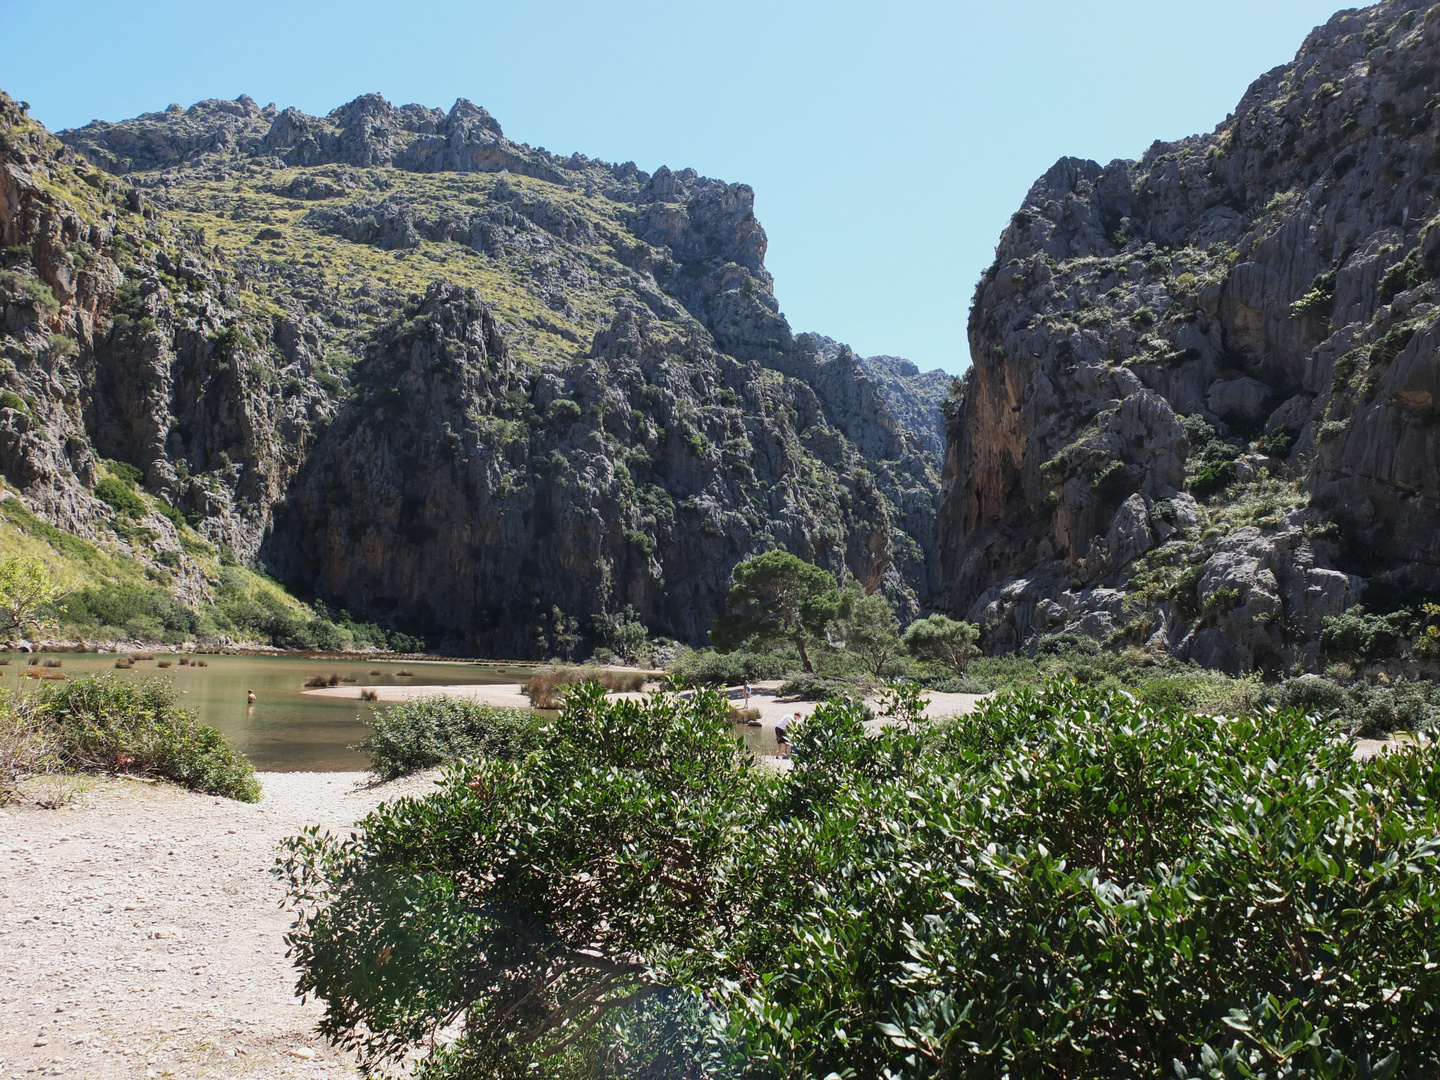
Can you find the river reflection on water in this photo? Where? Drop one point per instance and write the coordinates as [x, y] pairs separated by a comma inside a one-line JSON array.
[[287, 730]]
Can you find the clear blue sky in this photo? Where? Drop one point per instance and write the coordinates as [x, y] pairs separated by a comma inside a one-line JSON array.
[[887, 143]]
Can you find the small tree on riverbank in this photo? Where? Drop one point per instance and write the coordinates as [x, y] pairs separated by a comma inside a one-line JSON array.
[[778, 597], [869, 628]]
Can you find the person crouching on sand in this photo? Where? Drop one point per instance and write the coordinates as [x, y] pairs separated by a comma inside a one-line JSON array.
[[782, 736]]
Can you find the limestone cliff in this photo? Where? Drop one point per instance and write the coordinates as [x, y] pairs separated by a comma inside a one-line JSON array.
[[460, 385], [1201, 413]]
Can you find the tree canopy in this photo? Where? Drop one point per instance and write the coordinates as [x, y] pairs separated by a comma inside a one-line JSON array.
[[1063, 884], [869, 628], [776, 597], [943, 641], [27, 594]]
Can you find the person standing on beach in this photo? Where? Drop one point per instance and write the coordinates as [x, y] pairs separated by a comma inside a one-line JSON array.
[[747, 693]]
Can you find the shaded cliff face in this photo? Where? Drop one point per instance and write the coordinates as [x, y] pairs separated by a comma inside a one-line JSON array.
[[1201, 411], [472, 495], [458, 384]]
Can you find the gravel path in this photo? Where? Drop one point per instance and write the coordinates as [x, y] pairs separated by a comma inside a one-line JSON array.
[[140, 931]]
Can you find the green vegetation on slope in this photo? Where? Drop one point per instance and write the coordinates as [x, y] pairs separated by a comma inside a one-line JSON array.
[[253, 225], [109, 595]]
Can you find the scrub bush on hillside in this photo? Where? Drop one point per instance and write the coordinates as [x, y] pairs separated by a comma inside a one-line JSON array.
[[1068, 882]]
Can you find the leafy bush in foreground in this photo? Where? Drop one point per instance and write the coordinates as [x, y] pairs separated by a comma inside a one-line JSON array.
[[105, 724], [432, 731], [1065, 883]]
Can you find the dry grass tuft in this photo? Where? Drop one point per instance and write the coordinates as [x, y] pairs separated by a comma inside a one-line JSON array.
[[25, 746], [748, 717], [124, 663], [162, 663], [546, 690], [54, 663], [44, 673], [322, 680], [367, 694]]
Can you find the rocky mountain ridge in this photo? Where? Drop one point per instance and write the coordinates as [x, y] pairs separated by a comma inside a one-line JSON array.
[[457, 384], [1201, 413]]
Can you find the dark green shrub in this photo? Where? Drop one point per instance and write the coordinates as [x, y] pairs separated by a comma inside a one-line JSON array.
[[1173, 692], [1408, 705], [120, 495], [110, 724], [817, 688], [967, 684], [1212, 478], [1364, 636], [1278, 442], [1344, 368], [1067, 643], [437, 731], [1320, 300], [127, 473], [1391, 344], [175, 517], [563, 411], [706, 667], [1311, 694], [999, 672]]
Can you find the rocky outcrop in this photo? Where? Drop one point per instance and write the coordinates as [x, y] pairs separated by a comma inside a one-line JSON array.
[[916, 398], [121, 341], [1245, 318]]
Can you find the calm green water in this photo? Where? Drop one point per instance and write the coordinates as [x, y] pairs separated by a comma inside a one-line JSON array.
[[285, 730]]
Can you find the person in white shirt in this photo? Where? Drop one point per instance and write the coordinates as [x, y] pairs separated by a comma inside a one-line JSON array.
[[782, 734]]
